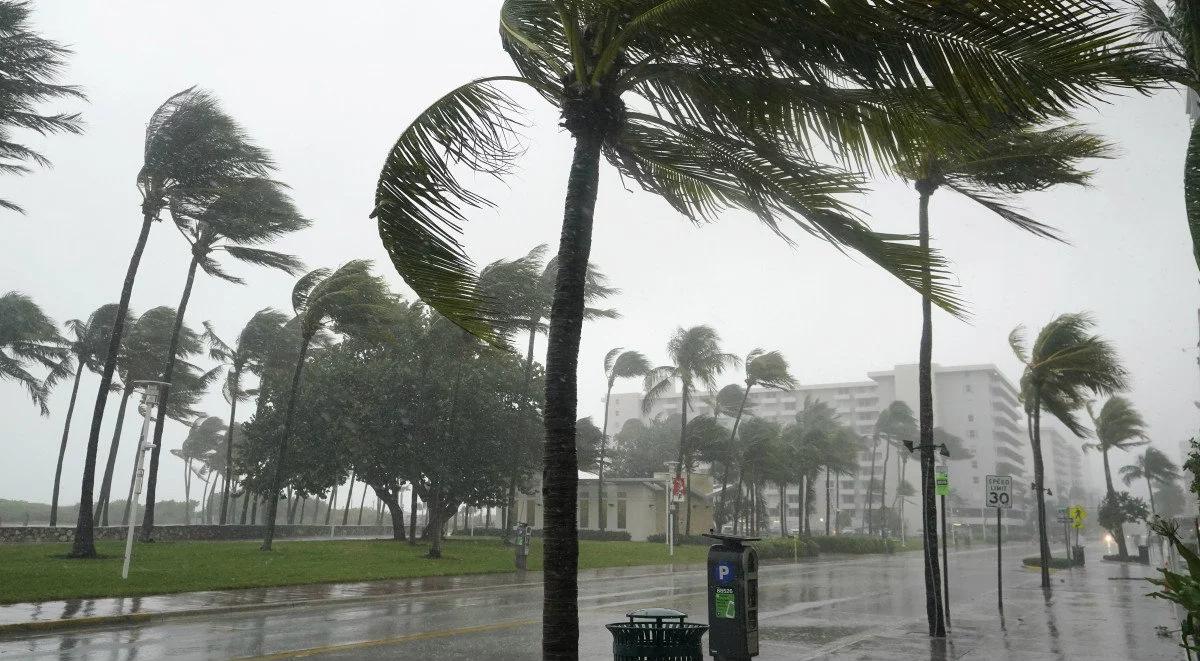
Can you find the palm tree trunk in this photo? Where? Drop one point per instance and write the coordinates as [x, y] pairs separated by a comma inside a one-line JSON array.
[[887, 458], [871, 487], [737, 508], [828, 523], [361, 500], [254, 511], [560, 552], [229, 445], [62, 446], [187, 491], [164, 399], [722, 511], [1111, 493], [281, 458], [85, 544], [732, 435], [349, 498], [245, 505], [933, 576], [111, 463], [412, 516], [331, 504], [602, 514], [1191, 188], [1150, 490], [783, 509], [1039, 482]]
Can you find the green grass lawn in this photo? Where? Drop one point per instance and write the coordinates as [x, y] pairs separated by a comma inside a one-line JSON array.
[[39, 572]]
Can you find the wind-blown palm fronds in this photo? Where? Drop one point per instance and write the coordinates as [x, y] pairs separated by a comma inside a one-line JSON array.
[[29, 338], [1153, 466], [29, 66]]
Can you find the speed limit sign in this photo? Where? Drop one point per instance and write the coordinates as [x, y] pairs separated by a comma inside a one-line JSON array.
[[998, 491]]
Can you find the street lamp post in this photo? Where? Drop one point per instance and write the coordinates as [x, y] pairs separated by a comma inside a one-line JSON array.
[[150, 396]]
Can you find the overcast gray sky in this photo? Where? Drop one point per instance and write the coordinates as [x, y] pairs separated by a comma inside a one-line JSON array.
[[328, 90]]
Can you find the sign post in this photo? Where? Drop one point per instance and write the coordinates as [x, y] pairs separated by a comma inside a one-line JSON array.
[[942, 485], [998, 494], [678, 495]]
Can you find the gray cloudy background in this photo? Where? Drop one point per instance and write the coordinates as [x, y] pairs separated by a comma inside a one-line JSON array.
[[327, 87]]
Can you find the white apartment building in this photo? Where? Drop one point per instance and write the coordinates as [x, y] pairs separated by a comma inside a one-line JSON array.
[[977, 403]]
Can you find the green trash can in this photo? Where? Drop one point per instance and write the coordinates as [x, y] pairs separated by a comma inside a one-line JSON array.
[[653, 634]]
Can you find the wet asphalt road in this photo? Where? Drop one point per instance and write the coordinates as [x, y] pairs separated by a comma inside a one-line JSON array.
[[861, 608]]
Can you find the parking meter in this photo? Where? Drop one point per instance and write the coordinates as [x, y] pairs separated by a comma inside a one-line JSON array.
[[522, 546], [732, 598]]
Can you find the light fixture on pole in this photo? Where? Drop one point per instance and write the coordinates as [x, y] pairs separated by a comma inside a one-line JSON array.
[[151, 393]]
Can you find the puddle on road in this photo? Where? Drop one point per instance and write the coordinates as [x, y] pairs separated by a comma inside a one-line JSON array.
[[810, 634]]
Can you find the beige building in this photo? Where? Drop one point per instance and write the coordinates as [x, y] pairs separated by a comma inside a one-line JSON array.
[[635, 505]]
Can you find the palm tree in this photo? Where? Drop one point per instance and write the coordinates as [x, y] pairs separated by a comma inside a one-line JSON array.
[[192, 150], [1152, 466], [198, 446], [29, 66], [243, 214], [696, 361], [1119, 426], [740, 93], [352, 300], [839, 456], [1064, 363], [29, 337], [894, 424], [248, 354], [90, 338], [618, 364], [1174, 33], [143, 351]]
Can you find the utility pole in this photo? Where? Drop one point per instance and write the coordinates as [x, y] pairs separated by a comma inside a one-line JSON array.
[[151, 392]]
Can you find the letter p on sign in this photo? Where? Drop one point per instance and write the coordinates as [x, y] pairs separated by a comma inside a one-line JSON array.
[[723, 572]]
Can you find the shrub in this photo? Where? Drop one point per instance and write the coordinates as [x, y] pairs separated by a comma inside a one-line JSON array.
[[596, 535], [783, 547], [1055, 563], [682, 539], [1180, 587]]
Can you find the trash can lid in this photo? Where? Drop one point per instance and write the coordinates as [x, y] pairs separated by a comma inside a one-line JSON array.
[[657, 614]]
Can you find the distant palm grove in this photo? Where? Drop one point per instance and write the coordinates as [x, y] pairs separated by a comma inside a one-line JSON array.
[[776, 108]]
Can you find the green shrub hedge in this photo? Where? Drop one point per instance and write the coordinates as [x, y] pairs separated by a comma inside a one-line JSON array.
[[811, 546], [784, 547], [1055, 563]]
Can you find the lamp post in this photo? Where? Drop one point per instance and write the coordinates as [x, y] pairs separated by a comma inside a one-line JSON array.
[[670, 506], [151, 391]]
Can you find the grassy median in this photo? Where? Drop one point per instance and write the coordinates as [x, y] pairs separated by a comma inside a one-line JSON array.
[[40, 572]]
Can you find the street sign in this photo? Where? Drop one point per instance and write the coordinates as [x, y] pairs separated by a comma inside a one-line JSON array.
[[1062, 515], [1077, 514], [942, 483], [678, 489], [723, 572], [997, 491]]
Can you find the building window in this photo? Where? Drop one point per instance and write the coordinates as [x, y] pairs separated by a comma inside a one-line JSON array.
[[975, 480], [967, 388], [621, 510], [971, 417], [583, 511], [790, 406], [974, 463], [971, 433]]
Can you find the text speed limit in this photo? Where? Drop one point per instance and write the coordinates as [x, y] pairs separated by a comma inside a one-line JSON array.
[[998, 491]]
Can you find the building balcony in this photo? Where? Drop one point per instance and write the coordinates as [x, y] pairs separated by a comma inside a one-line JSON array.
[[1009, 454], [1005, 436]]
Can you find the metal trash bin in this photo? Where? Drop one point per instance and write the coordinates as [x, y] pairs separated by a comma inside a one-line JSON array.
[[657, 634]]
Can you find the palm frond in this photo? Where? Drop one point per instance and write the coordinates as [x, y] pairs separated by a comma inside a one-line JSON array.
[[289, 264], [420, 203]]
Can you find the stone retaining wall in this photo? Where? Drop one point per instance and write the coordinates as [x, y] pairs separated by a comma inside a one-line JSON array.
[[13, 534]]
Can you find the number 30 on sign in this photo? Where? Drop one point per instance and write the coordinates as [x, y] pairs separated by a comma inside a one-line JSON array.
[[998, 491]]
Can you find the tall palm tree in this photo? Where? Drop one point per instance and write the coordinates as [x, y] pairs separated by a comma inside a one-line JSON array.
[[201, 442], [246, 355], [90, 338], [696, 362], [29, 64], [740, 92], [1065, 362], [1118, 426], [1005, 163], [894, 424], [618, 364], [192, 149], [1175, 32], [351, 300], [1153, 466], [143, 351], [29, 337], [236, 218], [839, 456]]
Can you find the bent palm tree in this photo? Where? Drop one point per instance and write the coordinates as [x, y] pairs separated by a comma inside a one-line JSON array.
[[1152, 466], [618, 364], [192, 149], [29, 65], [241, 215], [895, 424], [352, 300], [741, 91], [696, 361], [246, 355], [91, 337], [1065, 362], [1118, 426], [28, 337]]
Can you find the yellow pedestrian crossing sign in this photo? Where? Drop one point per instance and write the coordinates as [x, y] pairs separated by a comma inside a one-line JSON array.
[[1077, 515]]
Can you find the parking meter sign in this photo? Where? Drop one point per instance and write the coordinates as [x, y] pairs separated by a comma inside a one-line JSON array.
[[724, 603], [723, 572], [998, 491]]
